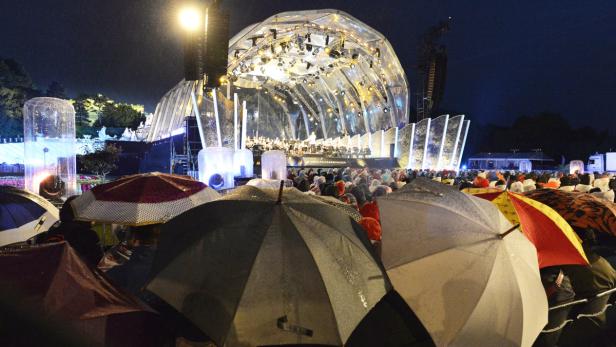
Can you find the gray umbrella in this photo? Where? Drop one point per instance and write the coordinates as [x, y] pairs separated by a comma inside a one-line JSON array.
[[252, 270]]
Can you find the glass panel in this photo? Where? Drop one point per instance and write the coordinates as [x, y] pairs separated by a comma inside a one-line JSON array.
[[436, 136], [452, 135], [403, 148], [461, 143], [420, 138]]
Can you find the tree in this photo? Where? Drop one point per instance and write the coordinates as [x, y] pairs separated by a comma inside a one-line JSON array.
[[121, 116], [15, 88], [103, 161], [56, 90], [81, 115]]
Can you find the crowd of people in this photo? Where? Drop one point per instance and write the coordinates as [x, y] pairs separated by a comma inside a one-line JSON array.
[[128, 262]]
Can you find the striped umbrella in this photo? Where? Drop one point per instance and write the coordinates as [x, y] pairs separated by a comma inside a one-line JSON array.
[[23, 215], [142, 199]]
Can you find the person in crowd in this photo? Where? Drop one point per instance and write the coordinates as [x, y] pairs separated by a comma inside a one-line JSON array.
[[78, 234], [559, 291], [133, 274], [481, 181], [373, 231], [584, 185]]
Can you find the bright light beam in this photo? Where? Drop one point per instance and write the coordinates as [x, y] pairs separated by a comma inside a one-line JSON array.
[[190, 18]]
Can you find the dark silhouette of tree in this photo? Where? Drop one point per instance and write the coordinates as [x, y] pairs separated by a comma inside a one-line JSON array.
[[102, 161], [15, 88], [56, 90]]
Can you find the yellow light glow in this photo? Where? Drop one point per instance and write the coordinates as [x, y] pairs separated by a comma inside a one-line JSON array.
[[190, 18]]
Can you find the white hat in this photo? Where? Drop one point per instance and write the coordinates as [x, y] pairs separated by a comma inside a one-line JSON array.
[[609, 195], [517, 187], [602, 183]]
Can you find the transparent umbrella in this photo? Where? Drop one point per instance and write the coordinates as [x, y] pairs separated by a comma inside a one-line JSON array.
[[470, 277]]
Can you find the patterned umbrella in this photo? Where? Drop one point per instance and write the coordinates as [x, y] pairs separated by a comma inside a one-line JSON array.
[[23, 215], [142, 199], [581, 210]]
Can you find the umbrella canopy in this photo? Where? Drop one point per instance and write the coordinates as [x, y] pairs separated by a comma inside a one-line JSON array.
[[467, 274], [53, 281], [555, 240], [142, 199], [500, 198], [23, 215], [248, 270], [581, 210]]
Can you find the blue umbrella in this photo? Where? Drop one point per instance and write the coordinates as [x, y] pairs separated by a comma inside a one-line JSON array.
[[23, 215]]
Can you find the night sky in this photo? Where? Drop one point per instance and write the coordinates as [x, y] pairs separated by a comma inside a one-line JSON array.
[[505, 58]]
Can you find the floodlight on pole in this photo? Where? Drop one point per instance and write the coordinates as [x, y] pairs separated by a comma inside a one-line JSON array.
[[190, 18]]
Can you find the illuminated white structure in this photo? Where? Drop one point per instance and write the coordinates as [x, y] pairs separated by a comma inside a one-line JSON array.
[[243, 163], [525, 166], [49, 144], [576, 167], [320, 73], [274, 165], [216, 167]]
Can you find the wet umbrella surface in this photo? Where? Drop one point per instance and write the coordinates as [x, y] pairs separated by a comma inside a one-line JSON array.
[[471, 278], [250, 270]]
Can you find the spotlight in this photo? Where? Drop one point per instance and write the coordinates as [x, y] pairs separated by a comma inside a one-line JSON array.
[[190, 19]]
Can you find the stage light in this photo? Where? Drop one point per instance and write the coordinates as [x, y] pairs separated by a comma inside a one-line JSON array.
[[190, 18]]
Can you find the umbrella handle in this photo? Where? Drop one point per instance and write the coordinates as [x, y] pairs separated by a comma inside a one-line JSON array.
[[283, 324], [502, 236], [280, 193]]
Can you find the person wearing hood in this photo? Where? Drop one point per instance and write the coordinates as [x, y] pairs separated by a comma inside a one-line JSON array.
[[78, 234], [481, 181], [373, 232], [566, 184], [584, 185]]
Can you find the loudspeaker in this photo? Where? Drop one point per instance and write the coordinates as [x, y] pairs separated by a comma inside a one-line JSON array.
[[193, 56], [216, 45]]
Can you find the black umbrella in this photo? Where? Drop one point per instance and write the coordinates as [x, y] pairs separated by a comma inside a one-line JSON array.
[[255, 269], [23, 215]]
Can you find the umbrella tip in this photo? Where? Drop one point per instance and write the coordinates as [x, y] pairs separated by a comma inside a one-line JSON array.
[[280, 192]]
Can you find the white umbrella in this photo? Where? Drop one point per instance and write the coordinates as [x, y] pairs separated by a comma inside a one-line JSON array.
[[471, 278]]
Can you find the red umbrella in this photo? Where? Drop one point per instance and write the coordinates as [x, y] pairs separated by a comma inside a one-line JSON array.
[[553, 237], [142, 199], [56, 285]]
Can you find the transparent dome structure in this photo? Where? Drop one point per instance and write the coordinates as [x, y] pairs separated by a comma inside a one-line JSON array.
[[321, 77], [49, 147], [319, 71]]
